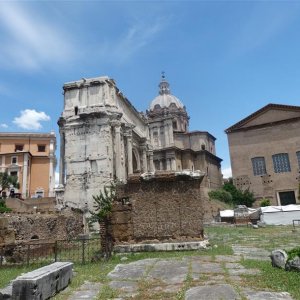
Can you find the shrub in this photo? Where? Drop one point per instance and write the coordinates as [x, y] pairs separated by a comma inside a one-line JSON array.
[[220, 195], [265, 202], [4, 208]]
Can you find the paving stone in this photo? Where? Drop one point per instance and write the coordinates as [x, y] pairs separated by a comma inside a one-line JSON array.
[[89, 290], [234, 266], [251, 252], [124, 286], [206, 267], [212, 292], [132, 271], [169, 271], [265, 295], [227, 258]]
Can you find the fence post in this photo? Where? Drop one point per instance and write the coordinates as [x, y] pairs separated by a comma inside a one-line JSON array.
[[55, 251], [83, 251], [28, 250]]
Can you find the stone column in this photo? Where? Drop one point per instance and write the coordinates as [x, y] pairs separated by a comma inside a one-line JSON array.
[[118, 150], [144, 159], [129, 153], [169, 167], [161, 166], [151, 164], [62, 158], [24, 175], [158, 137], [173, 164]]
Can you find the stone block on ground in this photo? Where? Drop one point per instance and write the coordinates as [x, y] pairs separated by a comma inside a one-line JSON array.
[[6, 293], [212, 292], [42, 283], [278, 258]]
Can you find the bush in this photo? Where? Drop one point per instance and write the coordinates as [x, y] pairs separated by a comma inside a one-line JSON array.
[[239, 197], [220, 195], [3, 207], [265, 202]]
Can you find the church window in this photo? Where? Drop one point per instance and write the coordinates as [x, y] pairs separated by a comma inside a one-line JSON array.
[[259, 166], [281, 163], [298, 158], [175, 125], [76, 110]]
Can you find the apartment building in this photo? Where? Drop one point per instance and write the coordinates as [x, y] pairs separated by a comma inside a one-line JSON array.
[[30, 157]]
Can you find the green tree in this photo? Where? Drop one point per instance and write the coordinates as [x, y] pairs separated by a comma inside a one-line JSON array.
[[239, 197], [6, 181], [103, 204], [221, 195]]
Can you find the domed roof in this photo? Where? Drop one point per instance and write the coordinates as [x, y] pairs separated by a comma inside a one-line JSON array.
[[165, 98]]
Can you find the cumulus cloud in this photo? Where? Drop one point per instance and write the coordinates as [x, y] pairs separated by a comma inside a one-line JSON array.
[[31, 119], [3, 125], [227, 172]]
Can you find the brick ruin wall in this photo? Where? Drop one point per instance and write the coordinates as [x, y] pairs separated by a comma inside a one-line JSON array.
[[165, 209], [59, 226]]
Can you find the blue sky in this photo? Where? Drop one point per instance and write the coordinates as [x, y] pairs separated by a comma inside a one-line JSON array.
[[223, 59]]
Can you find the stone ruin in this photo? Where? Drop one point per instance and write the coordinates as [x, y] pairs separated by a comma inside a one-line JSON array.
[[161, 208], [17, 231]]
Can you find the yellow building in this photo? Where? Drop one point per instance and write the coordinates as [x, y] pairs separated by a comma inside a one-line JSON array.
[[31, 157]]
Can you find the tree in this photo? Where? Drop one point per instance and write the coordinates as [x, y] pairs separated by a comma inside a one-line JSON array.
[[6, 181], [220, 195], [101, 214], [103, 204]]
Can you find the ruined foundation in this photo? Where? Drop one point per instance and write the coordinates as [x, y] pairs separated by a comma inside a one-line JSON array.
[[165, 209]]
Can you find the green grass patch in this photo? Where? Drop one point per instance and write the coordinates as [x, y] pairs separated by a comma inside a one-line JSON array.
[[272, 278]]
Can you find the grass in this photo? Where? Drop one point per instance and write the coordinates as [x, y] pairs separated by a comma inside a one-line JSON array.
[[221, 239]]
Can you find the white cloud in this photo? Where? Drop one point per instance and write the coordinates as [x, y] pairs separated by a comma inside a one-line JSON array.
[[137, 37], [31, 119], [227, 172], [3, 125], [27, 41]]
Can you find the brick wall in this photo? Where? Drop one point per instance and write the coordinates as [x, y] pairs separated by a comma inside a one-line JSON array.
[[164, 209]]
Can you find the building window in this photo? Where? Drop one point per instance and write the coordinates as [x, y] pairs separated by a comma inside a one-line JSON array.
[[298, 158], [41, 148], [39, 193], [175, 125], [281, 163], [14, 160], [19, 147], [202, 147], [14, 173], [259, 166]]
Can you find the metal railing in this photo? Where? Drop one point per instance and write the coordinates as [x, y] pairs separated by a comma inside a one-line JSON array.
[[37, 252]]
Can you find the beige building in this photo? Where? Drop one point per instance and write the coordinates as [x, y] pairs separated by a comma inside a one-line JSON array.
[[31, 157], [104, 138], [265, 153]]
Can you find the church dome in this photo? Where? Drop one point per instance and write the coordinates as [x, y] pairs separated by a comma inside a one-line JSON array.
[[165, 98]]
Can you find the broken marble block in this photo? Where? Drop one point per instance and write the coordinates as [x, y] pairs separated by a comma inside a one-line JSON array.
[[279, 258], [42, 283]]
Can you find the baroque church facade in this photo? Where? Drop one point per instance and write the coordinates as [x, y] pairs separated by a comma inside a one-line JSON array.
[[104, 138]]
